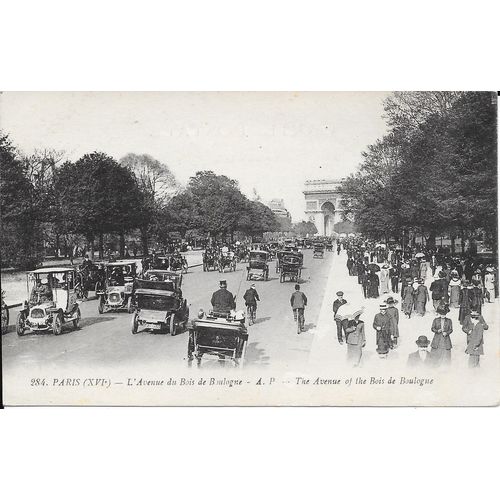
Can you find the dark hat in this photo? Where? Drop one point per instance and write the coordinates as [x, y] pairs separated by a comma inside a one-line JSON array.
[[223, 283], [422, 341], [391, 300], [444, 309], [340, 294], [441, 274]]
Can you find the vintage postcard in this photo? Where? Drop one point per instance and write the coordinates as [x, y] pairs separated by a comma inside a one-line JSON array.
[[249, 248]]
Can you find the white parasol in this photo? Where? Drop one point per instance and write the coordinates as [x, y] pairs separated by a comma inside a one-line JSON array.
[[349, 311]]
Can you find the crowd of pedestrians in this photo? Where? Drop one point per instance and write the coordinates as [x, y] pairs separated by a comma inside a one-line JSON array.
[[463, 283]]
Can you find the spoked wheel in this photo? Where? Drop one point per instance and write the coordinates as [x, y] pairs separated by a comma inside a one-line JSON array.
[[135, 323], [21, 324], [172, 325], [76, 321], [57, 323]]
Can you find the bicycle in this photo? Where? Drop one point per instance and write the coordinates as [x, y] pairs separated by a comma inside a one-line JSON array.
[[251, 313]]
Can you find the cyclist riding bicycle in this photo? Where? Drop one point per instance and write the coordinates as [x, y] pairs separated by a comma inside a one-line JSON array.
[[251, 297]]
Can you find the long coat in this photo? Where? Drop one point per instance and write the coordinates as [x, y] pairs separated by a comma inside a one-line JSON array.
[[414, 359], [373, 283], [474, 335], [384, 280], [223, 300], [442, 329], [421, 298], [466, 298], [407, 295], [454, 292], [393, 314], [383, 338]]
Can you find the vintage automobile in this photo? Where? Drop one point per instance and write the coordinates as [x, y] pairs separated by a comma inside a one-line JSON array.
[[308, 243], [329, 246], [224, 336], [119, 286], [163, 275], [290, 268], [51, 302], [227, 260], [318, 251], [210, 260], [5, 314], [258, 267], [159, 304], [178, 263]]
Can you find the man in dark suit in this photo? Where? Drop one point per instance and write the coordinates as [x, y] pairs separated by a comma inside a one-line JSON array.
[[222, 299], [421, 357], [341, 325], [474, 326]]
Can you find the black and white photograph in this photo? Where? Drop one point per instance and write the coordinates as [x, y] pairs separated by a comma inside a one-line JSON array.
[[249, 248]]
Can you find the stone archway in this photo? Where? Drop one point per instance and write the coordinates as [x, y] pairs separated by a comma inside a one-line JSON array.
[[328, 210]]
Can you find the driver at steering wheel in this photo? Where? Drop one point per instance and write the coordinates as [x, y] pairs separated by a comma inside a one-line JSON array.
[[223, 300], [41, 292]]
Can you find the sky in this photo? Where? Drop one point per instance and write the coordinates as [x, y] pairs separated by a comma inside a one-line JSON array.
[[269, 141]]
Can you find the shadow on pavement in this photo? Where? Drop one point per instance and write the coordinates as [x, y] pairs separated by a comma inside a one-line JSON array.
[[261, 320], [97, 319], [255, 355]]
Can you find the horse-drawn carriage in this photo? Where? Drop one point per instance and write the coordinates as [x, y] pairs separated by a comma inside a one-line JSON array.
[[318, 251], [224, 336], [290, 267], [158, 302], [258, 267], [329, 246]]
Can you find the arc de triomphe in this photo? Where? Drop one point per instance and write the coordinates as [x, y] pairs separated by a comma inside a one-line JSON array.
[[323, 204]]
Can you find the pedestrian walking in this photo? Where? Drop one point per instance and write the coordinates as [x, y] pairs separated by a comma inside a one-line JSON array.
[[372, 285], [466, 298], [381, 324], [298, 301], [454, 290], [384, 279], [477, 296], [407, 298], [341, 325], [421, 357], [393, 315], [439, 291], [421, 297], [394, 275], [441, 346], [356, 340], [489, 284], [474, 326]]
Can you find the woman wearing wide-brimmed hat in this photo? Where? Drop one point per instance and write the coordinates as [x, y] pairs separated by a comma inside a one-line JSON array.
[[489, 284], [442, 327], [407, 297], [421, 298], [355, 339]]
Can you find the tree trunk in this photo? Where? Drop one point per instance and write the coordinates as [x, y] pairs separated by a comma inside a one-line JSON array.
[[122, 245], [58, 244], [431, 241], [452, 241], [101, 245], [90, 240], [144, 241]]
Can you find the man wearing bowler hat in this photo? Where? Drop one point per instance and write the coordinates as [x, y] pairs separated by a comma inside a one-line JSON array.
[[222, 299], [421, 357]]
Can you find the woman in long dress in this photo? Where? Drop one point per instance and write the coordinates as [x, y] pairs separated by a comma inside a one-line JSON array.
[[489, 284], [421, 298], [454, 290], [407, 296], [356, 340], [384, 279], [373, 283]]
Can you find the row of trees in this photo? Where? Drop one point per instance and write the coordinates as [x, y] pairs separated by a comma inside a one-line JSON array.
[[45, 200], [435, 172]]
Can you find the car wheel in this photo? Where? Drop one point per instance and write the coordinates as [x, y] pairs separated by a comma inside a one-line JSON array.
[[21, 324], [172, 325], [100, 307], [57, 323], [135, 323], [76, 321]]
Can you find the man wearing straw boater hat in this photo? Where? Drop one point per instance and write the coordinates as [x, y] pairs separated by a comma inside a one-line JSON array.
[[422, 356], [381, 324]]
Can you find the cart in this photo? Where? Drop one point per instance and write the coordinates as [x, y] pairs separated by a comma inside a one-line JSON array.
[[290, 268], [257, 265], [218, 335]]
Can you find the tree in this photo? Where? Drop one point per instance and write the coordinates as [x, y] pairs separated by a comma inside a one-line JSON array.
[[98, 196], [157, 185]]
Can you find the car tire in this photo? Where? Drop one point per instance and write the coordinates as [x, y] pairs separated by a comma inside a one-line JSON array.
[[57, 323], [100, 307], [76, 321], [135, 323], [21, 324], [172, 326]]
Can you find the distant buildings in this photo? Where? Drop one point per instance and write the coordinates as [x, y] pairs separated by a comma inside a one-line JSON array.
[[277, 206]]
